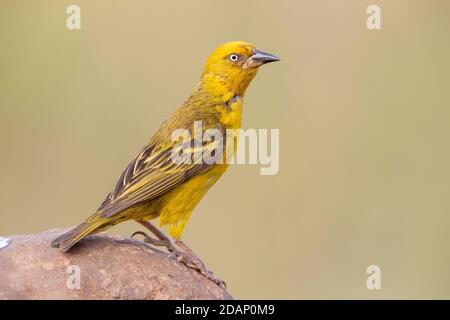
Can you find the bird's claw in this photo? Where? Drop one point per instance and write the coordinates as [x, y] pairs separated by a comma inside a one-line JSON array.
[[183, 258], [188, 262], [140, 233], [157, 242], [210, 276], [183, 255]]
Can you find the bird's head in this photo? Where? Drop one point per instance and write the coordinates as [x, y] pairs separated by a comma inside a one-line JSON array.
[[231, 67]]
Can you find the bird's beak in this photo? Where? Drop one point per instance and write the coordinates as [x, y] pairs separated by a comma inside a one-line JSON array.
[[259, 58]]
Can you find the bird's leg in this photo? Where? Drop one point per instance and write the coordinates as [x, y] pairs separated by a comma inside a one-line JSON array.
[[149, 239], [185, 255], [198, 264], [162, 238], [164, 241]]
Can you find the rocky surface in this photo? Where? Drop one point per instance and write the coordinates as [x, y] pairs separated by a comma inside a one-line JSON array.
[[99, 267]]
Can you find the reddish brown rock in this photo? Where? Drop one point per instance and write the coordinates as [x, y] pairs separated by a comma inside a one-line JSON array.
[[110, 267]]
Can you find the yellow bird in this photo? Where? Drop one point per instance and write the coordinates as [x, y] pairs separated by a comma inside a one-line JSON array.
[[153, 184]]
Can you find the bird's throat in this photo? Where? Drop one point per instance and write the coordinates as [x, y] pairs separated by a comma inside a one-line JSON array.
[[223, 87]]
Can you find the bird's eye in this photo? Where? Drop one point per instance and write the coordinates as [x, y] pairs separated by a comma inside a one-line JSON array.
[[234, 57]]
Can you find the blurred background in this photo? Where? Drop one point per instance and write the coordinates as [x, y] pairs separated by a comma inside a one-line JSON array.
[[364, 133]]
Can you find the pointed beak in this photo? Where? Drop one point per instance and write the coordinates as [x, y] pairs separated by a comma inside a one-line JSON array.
[[259, 58], [263, 57]]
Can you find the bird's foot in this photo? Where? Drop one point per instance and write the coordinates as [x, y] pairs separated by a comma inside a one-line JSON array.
[[195, 263], [179, 251], [174, 253], [210, 276], [161, 239], [183, 258], [153, 241]]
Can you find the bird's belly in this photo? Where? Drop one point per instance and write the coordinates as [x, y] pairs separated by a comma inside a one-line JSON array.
[[177, 205]]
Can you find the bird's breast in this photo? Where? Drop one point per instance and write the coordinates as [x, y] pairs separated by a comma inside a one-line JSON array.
[[231, 113]]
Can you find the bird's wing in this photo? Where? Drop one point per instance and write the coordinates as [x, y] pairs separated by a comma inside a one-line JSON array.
[[152, 173]]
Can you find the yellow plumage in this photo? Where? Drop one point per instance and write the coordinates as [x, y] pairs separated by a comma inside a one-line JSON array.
[[153, 185]]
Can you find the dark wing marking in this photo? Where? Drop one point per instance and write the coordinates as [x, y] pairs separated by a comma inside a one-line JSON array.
[[152, 173]]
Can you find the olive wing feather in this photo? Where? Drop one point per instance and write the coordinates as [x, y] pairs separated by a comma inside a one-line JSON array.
[[152, 173]]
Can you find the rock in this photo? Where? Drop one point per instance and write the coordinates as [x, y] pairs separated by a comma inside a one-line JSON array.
[[101, 266]]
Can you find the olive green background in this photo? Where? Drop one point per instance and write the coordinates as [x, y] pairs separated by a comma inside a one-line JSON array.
[[364, 134]]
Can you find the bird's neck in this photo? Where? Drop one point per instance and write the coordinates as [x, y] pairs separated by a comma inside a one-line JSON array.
[[222, 88]]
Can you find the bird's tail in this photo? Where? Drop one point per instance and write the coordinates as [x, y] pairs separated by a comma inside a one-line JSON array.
[[71, 237]]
